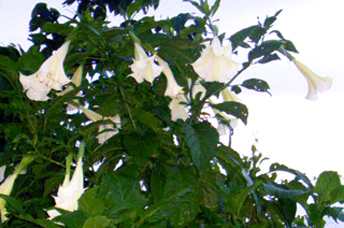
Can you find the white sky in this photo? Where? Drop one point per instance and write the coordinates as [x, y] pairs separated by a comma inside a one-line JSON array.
[[302, 134]]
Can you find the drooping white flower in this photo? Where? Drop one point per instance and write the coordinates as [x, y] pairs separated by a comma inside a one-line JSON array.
[[144, 67], [49, 76], [172, 86], [51, 73], [215, 63], [178, 109], [316, 84], [71, 190], [107, 130], [7, 186]]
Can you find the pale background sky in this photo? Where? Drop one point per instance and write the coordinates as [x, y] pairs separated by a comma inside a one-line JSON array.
[[305, 135]]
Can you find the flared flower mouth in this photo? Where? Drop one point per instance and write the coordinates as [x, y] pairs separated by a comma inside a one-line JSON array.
[[49, 76], [316, 84], [143, 66], [215, 63]]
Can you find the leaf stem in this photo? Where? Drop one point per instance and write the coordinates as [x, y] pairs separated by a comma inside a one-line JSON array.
[[127, 107]]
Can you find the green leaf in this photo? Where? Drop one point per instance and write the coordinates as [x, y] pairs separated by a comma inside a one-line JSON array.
[[180, 202], [326, 184], [157, 182], [30, 61], [62, 29], [148, 119], [7, 64], [265, 48], [73, 219], [282, 192], [233, 108], [256, 84], [120, 193], [215, 7], [270, 20], [97, 222], [337, 213], [287, 210], [298, 174], [289, 46], [202, 140], [269, 58], [253, 32], [91, 203], [235, 199]]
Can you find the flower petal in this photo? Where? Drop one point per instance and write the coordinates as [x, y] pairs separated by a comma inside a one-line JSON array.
[[178, 110], [34, 89], [144, 67], [51, 73], [172, 88], [316, 84], [215, 63]]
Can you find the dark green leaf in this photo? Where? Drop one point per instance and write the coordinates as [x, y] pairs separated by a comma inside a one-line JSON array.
[[282, 192], [326, 184], [233, 108], [265, 48], [287, 209], [91, 203], [254, 32], [256, 84], [269, 58], [202, 139]]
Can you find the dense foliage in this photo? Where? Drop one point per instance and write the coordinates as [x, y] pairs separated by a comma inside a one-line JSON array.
[[154, 172]]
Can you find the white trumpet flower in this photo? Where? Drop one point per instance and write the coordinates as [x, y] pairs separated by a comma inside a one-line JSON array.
[[107, 130], [7, 186], [71, 190], [172, 86], [316, 84], [215, 63], [144, 67], [178, 109], [49, 76]]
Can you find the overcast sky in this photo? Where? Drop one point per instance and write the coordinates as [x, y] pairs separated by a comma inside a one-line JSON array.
[[305, 135]]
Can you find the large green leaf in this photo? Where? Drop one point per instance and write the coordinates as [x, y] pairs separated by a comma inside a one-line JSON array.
[[180, 201], [328, 187], [202, 140], [121, 194], [91, 203]]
